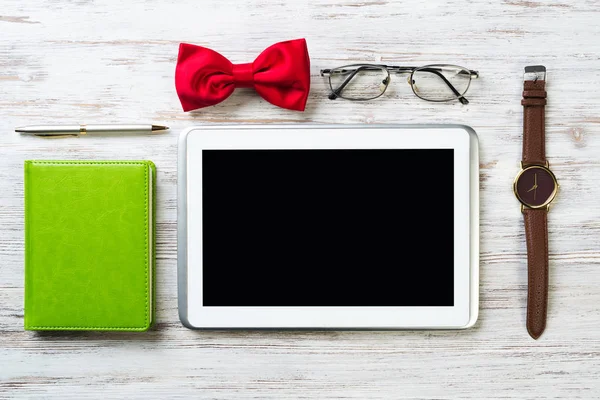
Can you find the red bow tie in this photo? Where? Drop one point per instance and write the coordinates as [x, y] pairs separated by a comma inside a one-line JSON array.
[[280, 74]]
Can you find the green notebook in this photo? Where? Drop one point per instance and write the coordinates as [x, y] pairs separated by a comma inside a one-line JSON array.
[[89, 245]]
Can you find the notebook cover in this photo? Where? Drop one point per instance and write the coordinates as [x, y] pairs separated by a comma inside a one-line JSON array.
[[89, 241]]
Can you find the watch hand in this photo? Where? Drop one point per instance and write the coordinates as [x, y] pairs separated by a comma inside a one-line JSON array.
[[534, 185]]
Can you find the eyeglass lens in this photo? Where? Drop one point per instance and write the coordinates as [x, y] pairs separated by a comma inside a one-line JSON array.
[[359, 82], [440, 82]]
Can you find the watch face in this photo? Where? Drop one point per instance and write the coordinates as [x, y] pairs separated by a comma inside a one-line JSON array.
[[535, 186]]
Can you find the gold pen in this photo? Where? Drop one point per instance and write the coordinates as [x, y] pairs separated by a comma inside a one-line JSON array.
[[76, 130]]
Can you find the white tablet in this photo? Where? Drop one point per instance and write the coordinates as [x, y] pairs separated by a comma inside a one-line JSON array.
[[328, 227]]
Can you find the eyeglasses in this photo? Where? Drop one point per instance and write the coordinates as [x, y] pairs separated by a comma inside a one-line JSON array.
[[436, 82]]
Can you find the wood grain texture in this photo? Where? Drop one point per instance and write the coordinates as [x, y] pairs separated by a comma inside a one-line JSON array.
[[110, 61]]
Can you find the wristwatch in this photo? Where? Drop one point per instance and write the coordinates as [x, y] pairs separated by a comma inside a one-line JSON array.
[[535, 187]]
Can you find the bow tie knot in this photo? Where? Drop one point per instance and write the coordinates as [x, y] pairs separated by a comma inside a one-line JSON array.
[[243, 75], [280, 75]]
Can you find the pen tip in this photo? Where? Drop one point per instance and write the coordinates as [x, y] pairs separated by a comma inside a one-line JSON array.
[[159, 128]]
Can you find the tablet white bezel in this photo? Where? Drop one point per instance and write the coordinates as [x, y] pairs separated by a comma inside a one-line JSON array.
[[462, 139]]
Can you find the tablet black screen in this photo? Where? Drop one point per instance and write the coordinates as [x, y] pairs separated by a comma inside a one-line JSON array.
[[328, 227]]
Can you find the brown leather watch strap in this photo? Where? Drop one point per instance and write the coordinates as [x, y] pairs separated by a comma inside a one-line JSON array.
[[534, 138], [536, 215], [536, 232]]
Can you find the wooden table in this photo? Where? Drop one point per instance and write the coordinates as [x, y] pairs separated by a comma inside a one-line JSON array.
[[112, 61]]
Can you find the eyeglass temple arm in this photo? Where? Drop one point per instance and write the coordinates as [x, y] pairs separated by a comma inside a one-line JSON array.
[[348, 71], [460, 97], [474, 74]]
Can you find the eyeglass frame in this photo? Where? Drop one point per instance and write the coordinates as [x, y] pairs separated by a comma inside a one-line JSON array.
[[335, 93]]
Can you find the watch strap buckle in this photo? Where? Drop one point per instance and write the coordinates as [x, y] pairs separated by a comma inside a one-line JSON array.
[[534, 73]]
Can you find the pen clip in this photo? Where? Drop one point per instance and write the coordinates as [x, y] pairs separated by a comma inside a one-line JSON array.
[[56, 136]]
